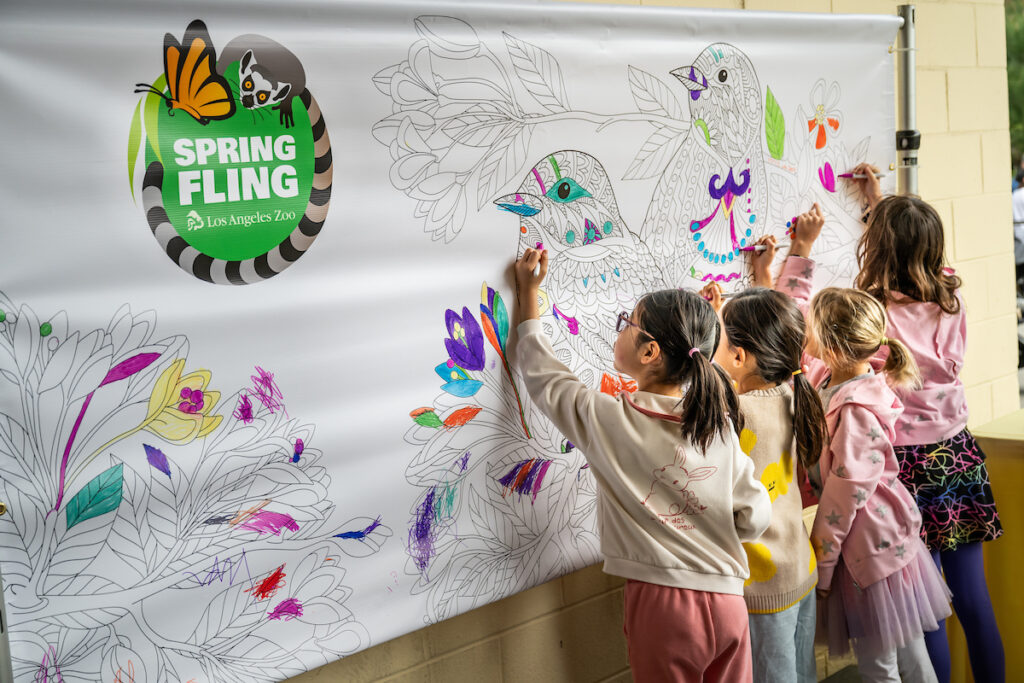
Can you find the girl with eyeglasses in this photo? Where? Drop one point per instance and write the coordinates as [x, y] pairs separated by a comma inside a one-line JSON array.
[[677, 495]]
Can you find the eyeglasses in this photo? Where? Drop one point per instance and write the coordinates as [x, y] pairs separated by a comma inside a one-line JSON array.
[[623, 320]]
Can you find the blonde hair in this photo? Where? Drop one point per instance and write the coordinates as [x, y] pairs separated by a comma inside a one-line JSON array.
[[849, 326]]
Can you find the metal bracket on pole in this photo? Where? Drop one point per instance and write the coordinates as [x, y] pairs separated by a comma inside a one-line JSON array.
[[6, 671], [908, 138]]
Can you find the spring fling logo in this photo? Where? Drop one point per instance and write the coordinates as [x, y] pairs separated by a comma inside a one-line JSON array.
[[236, 157]]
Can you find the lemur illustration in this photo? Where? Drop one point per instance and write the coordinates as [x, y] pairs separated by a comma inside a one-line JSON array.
[[268, 73]]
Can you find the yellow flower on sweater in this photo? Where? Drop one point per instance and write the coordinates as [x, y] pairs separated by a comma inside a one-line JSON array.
[[777, 475], [748, 440], [759, 557]]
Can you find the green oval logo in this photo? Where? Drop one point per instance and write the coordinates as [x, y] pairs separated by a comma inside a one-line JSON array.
[[237, 157]]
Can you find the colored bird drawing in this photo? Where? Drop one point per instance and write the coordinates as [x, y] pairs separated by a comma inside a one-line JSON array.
[[597, 266], [696, 231]]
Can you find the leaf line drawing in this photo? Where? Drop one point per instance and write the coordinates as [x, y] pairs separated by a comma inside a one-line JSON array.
[[127, 480]]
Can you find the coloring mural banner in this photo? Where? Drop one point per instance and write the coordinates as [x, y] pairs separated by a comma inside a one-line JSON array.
[[258, 406]]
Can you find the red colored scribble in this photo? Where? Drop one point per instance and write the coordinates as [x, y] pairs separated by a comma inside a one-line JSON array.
[[461, 417], [286, 610], [244, 410], [267, 391], [266, 522], [43, 673], [268, 587], [243, 515], [129, 672]]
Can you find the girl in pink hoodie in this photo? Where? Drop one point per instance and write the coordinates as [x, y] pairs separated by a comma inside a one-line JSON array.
[[877, 584], [902, 265]]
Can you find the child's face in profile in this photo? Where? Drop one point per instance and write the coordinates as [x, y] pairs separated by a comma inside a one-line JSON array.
[[626, 351], [726, 356]]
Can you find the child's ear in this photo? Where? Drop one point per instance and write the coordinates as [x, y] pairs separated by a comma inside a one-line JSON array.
[[650, 352]]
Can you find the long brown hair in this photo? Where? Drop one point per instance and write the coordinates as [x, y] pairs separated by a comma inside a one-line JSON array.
[[679, 320], [849, 326], [902, 251], [769, 325]]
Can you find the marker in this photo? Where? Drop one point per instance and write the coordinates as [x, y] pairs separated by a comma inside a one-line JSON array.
[[759, 248], [536, 269], [859, 176]]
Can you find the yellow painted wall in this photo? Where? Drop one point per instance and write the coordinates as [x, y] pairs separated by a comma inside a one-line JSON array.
[[570, 629]]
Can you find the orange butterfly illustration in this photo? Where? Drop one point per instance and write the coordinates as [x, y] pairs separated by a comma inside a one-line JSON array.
[[192, 79]]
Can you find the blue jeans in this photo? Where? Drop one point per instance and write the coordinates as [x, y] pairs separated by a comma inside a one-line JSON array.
[[782, 644]]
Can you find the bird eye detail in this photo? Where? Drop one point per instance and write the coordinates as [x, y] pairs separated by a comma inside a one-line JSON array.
[[565, 191], [722, 76]]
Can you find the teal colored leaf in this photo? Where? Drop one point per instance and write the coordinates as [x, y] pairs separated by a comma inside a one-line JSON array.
[[774, 126], [463, 388], [134, 140], [501, 318], [154, 103], [99, 496]]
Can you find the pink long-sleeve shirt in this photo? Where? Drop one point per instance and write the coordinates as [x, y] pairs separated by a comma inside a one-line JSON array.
[[937, 340]]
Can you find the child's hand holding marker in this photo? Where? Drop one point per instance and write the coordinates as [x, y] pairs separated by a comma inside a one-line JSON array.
[[806, 229], [761, 261], [712, 292], [866, 176], [530, 271]]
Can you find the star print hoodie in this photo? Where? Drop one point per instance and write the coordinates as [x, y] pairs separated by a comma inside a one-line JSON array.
[[864, 513]]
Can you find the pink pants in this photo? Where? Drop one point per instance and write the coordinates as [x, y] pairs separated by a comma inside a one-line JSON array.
[[677, 634]]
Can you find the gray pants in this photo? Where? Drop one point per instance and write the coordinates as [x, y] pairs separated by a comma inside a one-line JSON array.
[[782, 644], [909, 664]]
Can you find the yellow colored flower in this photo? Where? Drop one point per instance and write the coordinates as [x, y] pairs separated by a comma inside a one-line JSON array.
[[180, 407]]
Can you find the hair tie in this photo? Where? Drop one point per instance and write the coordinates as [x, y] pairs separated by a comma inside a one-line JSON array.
[[693, 351], [798, 371], [884, 342]]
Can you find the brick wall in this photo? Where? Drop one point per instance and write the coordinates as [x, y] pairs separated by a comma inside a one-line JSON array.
[[570, 629]]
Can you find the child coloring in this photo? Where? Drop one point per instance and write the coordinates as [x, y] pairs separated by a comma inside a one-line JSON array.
[[761, 348], [877, 584], [902, 264], [676, 494]]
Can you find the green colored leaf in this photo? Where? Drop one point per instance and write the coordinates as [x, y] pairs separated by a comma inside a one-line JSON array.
[[99, 496], [154, 104], [428, 418], [134, 139], [501, 318], [774, 126], [703, 127]]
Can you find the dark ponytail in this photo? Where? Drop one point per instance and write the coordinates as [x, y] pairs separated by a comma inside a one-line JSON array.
[[687, 331], [768, 325]]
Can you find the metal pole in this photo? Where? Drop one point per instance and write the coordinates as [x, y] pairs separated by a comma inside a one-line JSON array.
[[6, 671], [908, 138]]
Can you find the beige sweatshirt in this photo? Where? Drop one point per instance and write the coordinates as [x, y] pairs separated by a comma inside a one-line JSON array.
[[667, 514], [782, 564]]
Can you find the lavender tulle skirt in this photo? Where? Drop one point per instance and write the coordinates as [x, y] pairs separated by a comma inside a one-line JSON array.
[[887, 614]]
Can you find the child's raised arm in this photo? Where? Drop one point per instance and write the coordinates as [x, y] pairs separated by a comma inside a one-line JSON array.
[[865, 178], [797, 274], [530, 271], [761, 261]]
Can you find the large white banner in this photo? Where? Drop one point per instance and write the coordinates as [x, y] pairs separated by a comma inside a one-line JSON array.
[[256, 411]]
